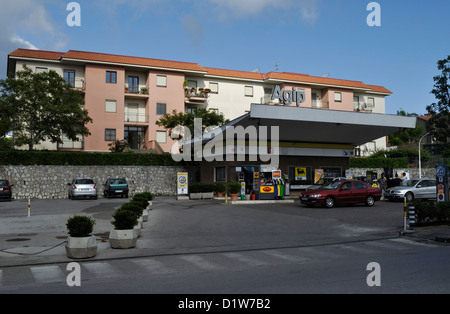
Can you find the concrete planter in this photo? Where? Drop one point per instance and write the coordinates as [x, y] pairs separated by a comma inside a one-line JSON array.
[[138, 228], [150, 205], [207, 195], [195, 196], [123, 239], [145, 215], [81, 247]]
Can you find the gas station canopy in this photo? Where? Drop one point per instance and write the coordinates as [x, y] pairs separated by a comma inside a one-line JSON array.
[[309, 125]]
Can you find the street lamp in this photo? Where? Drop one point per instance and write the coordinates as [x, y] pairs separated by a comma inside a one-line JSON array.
[[420, 160]]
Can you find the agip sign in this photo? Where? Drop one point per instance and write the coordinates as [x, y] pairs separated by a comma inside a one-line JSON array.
[[287, 97]]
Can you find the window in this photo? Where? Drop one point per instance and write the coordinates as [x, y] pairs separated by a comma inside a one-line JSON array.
[[359, 185], [160, 109], [110, 106], [220, 174], [214, 87], [338, 96], [191, 84], [69, 77], [248, 91], [41, 70], [161, 136], [161, 80], [110, 135], [371, 103], [133, 84], [111, 77]]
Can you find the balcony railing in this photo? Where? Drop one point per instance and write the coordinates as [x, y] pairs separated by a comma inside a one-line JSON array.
[[77, 83], [362, 106], [136, 117], [136, 89], [197, 95]]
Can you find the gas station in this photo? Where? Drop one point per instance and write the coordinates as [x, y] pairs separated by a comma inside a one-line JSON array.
[[294, 147]]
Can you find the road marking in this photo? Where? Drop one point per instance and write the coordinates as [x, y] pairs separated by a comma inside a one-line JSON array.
[[101, 269], [357, 249], [386, 245], [288, 257], [246, 259], [199, 262], [47, 274], [411, 242], [153, 266]]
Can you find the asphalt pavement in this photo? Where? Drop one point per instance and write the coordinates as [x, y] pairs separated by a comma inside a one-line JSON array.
[[38, 235]]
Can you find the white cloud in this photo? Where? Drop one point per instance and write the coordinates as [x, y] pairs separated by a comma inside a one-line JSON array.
[[22, 42], [237, 9]]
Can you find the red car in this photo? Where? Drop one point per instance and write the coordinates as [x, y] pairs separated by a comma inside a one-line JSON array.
[[342, 192], [5, 189]]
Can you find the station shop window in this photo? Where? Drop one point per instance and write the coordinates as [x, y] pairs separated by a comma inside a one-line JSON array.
[[220, 174]]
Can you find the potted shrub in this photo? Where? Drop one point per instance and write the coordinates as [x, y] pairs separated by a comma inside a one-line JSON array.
[[80, 242], [195, 192], [137, 209], [220, 188], [207, 191], [149, 197], [234, 188], [124, 235]]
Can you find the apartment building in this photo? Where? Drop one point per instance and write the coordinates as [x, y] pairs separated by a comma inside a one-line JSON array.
[[126, 95]]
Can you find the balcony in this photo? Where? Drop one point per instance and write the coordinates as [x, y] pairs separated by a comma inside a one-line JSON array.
[[77, 84], [136, 91], [195, 95], [363, 106], [135, 118]]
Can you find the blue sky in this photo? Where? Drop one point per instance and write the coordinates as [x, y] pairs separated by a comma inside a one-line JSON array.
[[314, 37]]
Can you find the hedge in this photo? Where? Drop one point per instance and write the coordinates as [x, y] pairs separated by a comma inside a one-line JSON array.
[[378, 162], [431, 212], [30, 158]]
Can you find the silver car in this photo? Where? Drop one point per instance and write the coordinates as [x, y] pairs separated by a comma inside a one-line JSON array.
[[82, 187], [413, 189]]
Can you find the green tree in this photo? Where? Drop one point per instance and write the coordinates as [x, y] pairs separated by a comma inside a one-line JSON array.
[[439, 122], [407, 136], [41, 107], [209, 118]]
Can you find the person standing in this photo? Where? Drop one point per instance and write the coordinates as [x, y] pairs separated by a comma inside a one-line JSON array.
[[382, 182]]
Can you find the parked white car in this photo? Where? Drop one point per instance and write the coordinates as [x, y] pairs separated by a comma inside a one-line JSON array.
[[413, 189], [82, 187]]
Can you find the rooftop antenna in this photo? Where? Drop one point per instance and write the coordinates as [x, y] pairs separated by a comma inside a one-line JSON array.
[[256, 70], [325, 75], [277, 69]]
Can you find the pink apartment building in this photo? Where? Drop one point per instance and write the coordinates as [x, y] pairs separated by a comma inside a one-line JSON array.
[[125, 95]]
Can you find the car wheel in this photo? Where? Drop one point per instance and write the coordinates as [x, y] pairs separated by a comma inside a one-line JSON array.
[[409, 197], [370, 200], [329, 202]]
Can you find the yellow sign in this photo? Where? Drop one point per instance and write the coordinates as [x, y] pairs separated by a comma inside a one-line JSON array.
[[256, 175], [318, 174], [267, 189], [300, 173], [182, 183]]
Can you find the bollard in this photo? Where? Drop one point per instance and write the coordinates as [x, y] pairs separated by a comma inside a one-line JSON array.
[[412, 216], [29, 208], [404, 213]]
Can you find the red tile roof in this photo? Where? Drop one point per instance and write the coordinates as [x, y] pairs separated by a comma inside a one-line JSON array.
[[36, 54], [188, 66], [118, 59]]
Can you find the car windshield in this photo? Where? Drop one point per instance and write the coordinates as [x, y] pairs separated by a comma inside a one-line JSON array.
[[410, 182], [3, 183], [84, 181], [332, 185]]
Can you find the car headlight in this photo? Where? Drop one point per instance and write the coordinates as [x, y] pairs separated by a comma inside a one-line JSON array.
[[316, 195]]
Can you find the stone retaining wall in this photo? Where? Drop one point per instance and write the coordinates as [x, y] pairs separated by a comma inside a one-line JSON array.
[[44, 182]]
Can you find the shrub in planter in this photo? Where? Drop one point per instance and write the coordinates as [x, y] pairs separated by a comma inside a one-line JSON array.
[[234, 187], [81, 243], [134, 206], [219, 188], [140, 199], [124, 235], [149, 196]]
